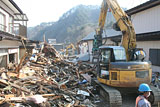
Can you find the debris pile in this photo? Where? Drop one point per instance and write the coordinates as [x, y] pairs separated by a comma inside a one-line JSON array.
[[46, 80]]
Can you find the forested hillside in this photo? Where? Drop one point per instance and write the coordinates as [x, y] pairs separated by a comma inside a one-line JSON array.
[[72, 25]]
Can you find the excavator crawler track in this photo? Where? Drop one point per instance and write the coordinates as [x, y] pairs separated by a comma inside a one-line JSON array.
[[110, 94]]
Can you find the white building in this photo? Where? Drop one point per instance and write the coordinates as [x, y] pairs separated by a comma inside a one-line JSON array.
[[52, 41], [13, 26]]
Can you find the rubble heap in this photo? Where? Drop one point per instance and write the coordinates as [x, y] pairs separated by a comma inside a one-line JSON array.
[[46, 80]]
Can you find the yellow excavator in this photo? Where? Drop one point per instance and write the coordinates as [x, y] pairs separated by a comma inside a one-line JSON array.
[[70, 46], [69, 50], [120, 68]]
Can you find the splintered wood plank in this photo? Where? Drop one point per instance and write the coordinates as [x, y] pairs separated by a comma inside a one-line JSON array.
[[19, 87], [76, 103], [9, 96]]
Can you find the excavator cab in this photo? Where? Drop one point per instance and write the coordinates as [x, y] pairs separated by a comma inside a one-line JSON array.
[[110, 54]]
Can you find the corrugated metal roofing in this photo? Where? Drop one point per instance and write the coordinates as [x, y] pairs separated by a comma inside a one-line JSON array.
[[142, 7]]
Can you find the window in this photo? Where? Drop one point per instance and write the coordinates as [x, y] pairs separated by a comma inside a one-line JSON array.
[[12, 58], [113, 75], [2, 22], [154, 56], [3, 61], [120, 54], [10, 24], [142, 74], [105, 56]]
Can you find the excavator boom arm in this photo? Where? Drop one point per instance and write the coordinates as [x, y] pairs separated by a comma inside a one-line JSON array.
[[102, 17], [128, 40], [98, 36], [128, 34]]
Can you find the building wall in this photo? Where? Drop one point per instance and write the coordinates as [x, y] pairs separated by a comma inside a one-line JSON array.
[[9, 43], [90, 46], [146, 45], [83, 48], [108, 42], [52, 41], [147, 20]]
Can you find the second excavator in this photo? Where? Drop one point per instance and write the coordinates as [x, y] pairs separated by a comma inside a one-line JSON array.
[[120, 68]]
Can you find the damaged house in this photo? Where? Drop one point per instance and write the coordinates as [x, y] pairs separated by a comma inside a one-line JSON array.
[[13, 27]]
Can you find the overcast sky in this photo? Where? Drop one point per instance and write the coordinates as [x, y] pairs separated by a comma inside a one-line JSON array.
[[39, 11]]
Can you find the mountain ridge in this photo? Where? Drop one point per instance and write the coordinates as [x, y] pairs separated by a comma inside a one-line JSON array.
[[72, 26]]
